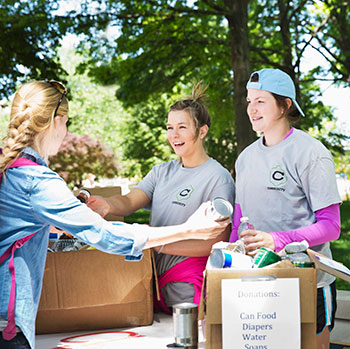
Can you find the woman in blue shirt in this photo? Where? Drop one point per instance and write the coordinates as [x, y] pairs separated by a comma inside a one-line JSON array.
[[32, 197]]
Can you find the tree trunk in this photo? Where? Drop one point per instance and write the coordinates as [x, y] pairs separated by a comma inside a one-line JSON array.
[[238, 27]]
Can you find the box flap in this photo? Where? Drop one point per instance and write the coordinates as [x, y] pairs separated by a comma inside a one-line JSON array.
[[329, 266]]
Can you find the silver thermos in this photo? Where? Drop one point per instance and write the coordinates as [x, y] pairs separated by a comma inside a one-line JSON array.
[[185, 319]]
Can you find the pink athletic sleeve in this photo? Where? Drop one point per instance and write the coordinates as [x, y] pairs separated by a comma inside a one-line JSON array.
[[236, 222], [326, 228]]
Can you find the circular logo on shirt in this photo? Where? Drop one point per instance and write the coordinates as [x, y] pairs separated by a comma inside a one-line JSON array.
[[184, 193], [278, 176]]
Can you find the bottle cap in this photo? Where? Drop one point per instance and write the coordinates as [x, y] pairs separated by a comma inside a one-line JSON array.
[[244, 219]]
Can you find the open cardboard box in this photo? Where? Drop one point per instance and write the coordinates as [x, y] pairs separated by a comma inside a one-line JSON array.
[[89, 290], [210, 307]]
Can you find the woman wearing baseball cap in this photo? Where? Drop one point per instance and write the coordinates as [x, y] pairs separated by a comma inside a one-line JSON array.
[[285, 184]]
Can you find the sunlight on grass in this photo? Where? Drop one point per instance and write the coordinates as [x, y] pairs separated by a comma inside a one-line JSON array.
[[341, 247]]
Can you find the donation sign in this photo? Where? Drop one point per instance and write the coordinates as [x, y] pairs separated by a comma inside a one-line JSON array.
[[261, 314]]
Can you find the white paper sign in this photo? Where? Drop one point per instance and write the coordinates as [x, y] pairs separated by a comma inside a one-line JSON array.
[[261, 314]]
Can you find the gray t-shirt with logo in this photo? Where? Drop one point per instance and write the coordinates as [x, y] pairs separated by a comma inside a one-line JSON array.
[[175, 193], [280, 187]]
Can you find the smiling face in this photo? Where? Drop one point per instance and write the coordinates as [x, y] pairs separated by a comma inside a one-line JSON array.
[[264, 113], [181, 134]]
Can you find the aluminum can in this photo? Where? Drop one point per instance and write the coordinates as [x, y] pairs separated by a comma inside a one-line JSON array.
[[224, 258], [185, 319], [264, 257], [219, 208], [83, 196], [300, 260]]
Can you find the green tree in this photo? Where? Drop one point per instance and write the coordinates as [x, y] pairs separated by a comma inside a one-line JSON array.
[[30, 32], [164, 45]]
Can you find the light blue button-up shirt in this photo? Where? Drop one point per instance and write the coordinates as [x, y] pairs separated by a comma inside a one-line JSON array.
[[31, 199]]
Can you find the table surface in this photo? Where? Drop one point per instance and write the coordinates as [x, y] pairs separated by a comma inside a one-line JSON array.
[[155, 336]]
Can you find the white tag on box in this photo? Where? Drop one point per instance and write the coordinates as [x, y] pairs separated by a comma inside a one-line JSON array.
[[261, 314]]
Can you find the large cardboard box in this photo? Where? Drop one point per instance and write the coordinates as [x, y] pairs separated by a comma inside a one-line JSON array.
[[210, 307], [89, 289], [211, 304]]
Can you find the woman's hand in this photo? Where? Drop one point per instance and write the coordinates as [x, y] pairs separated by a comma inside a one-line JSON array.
[[99, 205], [254, 239], [203, 227]]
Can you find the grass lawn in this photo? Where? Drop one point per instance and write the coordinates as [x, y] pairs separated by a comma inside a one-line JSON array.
[[340, 248]]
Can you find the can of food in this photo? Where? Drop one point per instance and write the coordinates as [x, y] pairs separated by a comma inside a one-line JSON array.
[[222, 258], [296, 247], [264, 257], [185, 319], [219, 208], [300, 260]]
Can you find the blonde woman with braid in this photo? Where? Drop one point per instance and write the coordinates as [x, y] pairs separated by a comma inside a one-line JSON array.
[[173, 191], [32, 197]]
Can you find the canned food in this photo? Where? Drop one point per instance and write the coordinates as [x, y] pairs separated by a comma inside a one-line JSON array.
[[221, 258], [219, 208], [296, 247], [300, 260], [264, 257]]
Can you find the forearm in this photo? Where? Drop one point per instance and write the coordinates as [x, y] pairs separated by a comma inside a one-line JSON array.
[[194, 248], [326, 228], [119, 205], [124, 205]]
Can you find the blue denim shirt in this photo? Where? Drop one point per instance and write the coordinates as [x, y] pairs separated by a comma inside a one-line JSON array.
[[31, 199]]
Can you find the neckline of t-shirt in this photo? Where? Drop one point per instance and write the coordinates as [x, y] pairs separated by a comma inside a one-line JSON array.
[[285, 141], [197, 167]]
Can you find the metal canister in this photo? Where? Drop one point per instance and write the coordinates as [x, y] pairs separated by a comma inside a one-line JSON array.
[[300, 260], [185, 318], [219, 208], [84, 196], [264, 257]]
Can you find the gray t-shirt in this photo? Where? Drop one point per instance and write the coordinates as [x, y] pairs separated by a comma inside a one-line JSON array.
[[175, 193], [280, 187]]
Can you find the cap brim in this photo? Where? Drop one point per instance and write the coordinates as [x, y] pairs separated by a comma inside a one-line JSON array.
[[297, 105]]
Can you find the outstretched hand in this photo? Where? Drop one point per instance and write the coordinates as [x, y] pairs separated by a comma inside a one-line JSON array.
[[99, 205], [254, 239], [203, 227]]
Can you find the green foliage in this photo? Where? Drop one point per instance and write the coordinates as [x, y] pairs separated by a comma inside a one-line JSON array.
[[163, 46], [29, 35], [80, 155], [341, 247], [140, 216], [144, 138], [93, 109]]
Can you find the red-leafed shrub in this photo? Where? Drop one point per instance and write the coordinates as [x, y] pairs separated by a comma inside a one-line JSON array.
[[80, 156]]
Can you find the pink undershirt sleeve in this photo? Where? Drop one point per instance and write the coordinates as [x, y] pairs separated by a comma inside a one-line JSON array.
[[326, 228], [236, 222]]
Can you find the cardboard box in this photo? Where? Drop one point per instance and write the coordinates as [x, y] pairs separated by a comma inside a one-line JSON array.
[[90, 290], [210, 307]]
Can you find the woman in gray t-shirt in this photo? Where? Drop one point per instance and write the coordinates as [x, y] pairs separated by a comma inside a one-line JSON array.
[[286, 184], [173, 191]]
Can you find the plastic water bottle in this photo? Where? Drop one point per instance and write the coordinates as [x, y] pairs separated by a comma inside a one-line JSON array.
[[245, 225]]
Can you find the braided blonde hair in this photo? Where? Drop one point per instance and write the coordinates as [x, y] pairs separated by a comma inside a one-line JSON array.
[[31, 119], [195, 106]]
